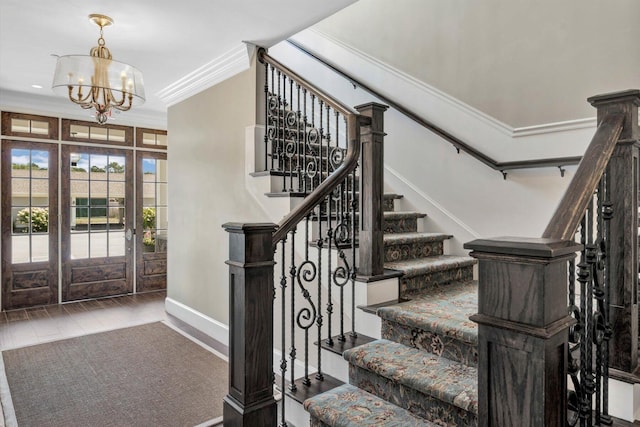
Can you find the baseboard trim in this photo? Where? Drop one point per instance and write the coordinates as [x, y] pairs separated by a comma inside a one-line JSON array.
[[205, 324]]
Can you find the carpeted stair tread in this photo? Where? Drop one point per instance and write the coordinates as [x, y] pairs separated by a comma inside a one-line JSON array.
[[420, 266], [448, 381], [443, 309], [401, 215], [408, 238], [349, 406]]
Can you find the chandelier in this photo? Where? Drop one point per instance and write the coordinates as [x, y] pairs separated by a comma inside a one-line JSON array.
[[96, 81]]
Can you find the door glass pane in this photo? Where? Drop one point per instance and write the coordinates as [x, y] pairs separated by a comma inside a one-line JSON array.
[[79, 131], [20, 245], [97, 217], [20, 191], [116, 215], [40, 192], [40, 163], [39, 127], [40, 244], [79, 245], [117, 135], [163, 193], [79, 193], [79, 165], [98, 245], [20, 125], [117, 191], [116, 168], [99, 133], [162, 221], [161, 173], [29, 205], [149, 169], [149, 240], [117, 243], [98, 167]]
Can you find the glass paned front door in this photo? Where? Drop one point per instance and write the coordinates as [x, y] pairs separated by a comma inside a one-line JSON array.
[[97, 218], [29, 230]]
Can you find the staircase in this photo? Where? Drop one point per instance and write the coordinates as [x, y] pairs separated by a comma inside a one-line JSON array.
[[423, 370]]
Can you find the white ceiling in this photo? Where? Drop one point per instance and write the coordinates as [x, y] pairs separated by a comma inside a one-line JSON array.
[[166, 39]]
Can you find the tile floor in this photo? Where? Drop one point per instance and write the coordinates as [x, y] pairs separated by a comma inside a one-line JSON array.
[[19, 328]]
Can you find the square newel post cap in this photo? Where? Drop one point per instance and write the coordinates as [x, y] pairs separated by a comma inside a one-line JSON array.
[[625, 102], [626, 96], [250, 244], [524, 247], [371, 106]]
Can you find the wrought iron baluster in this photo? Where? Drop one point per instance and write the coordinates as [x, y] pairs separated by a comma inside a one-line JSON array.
[[292, 147], [299, 164], [329, 217], [293, 274], [319, 321], [273, 122], [266, 113], [607, 215], [354, 269], [283, 359]]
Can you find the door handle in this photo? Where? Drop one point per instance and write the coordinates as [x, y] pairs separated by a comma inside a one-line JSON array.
[[129, 234]]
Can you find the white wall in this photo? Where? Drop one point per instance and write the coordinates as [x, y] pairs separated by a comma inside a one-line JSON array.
[[523, 62], [461, 195], [207, 176]]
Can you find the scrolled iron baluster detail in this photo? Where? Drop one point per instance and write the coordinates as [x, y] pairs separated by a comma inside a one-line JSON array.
[[341, 274], [307, 316]]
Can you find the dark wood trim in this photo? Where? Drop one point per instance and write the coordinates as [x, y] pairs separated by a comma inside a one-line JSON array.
[[52, 122], [453, 140], [371, 233], [569, 213], [250, 401], [66, 133], [47, 272], [522, 331], [139, 138]]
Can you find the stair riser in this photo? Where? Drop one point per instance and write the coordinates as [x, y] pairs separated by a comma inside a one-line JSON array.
[[414, 250], [429, 341], [401, 225], [411, 285], [418, 403]]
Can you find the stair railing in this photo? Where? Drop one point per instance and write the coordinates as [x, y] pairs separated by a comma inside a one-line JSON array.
[[529, 342], [314, 143]]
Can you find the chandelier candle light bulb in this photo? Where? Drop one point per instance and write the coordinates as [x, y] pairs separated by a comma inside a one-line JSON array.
[[114, 85]]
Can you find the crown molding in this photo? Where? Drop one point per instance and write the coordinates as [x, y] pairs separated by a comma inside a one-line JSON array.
[[213, 72], [513, 132], [44, 105]]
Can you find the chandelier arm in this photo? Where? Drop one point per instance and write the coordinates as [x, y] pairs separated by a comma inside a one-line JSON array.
[[80, 100]]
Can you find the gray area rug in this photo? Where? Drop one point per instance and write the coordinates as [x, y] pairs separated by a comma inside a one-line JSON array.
[[147, 375]]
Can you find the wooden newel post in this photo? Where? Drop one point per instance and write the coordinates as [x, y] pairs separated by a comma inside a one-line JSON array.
[[622, 170], [250, 402], [522, 330], [371, 252]]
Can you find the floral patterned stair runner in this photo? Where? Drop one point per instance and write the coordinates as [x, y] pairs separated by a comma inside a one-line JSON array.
[[437, 321], [431, 387], [349, 406]]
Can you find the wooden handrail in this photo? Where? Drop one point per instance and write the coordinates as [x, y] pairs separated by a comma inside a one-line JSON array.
[[567, 217], [264, 57], [459, 145]]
